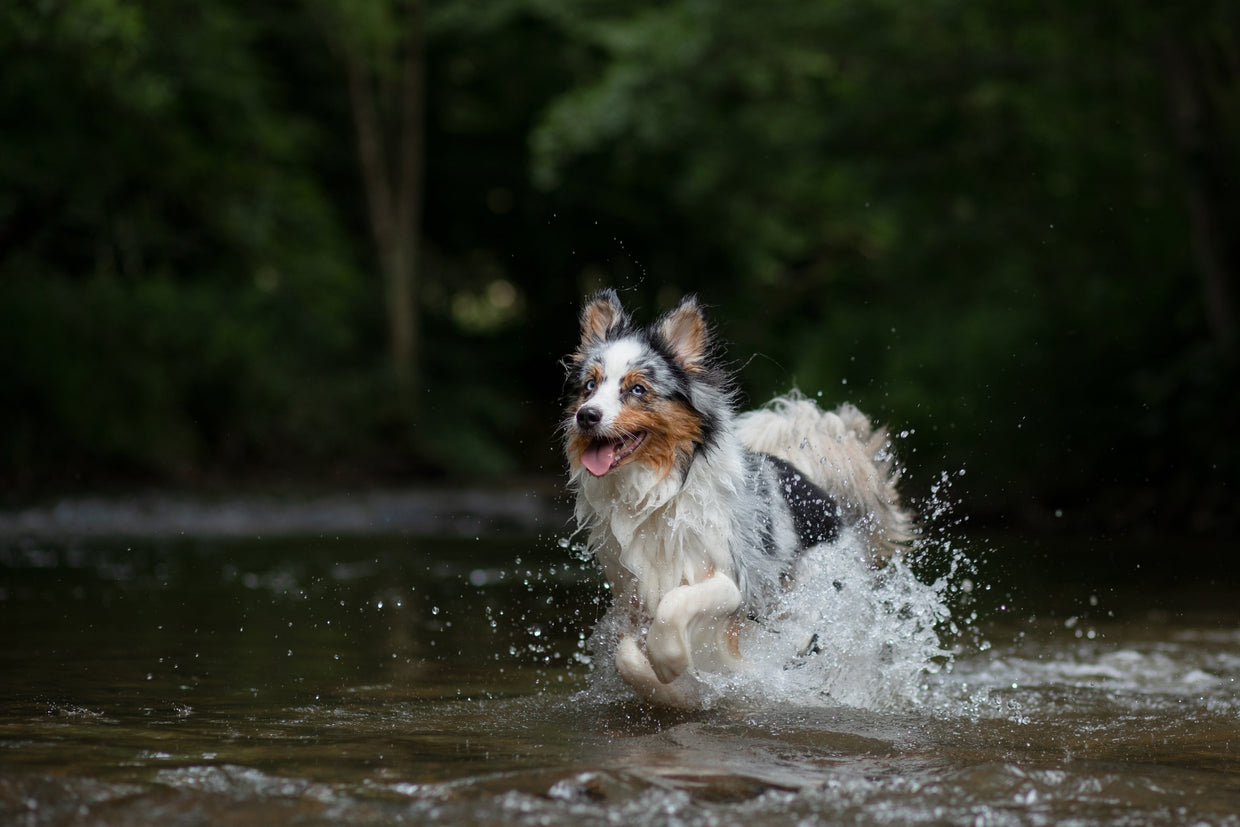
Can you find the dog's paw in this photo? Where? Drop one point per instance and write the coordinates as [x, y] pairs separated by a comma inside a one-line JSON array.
[[635, 668], [631, 662], [668, 651]]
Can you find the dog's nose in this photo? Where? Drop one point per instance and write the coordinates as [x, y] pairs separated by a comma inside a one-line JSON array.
[[589, 416]]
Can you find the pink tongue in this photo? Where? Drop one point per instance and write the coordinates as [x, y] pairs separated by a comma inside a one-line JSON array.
[[599, 456]]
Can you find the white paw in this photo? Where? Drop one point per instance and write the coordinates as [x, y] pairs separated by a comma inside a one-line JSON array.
[[635, 668], [668, 650], [631, 662]]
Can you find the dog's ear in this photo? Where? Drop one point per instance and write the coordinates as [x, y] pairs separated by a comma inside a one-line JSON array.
[[685, 331], [601, 316]]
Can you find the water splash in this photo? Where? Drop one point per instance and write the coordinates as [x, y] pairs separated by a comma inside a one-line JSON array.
[[844, 633]]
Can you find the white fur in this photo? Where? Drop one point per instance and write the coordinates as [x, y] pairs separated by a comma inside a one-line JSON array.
[[665, 547], [651, 533], [841, 453], [616, 363]]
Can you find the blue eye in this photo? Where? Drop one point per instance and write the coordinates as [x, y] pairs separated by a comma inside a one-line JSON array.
[[638, 390], [591, 384]]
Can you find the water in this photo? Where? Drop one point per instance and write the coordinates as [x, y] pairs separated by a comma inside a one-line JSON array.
[[398, 681]]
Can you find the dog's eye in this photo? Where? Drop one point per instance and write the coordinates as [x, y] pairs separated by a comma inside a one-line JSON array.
[[591, 384], [638, 390]]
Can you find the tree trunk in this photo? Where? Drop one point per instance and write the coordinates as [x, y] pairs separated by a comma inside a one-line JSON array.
[[394, 187], [1196, 131]]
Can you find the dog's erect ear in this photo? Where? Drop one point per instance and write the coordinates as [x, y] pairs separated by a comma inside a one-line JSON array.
[[601, 316], [684, 329]]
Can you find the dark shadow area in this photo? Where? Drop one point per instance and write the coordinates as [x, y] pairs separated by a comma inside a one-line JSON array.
[[328, 246]]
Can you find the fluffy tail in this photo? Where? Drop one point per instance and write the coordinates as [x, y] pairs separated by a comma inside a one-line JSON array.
[[842, 454]]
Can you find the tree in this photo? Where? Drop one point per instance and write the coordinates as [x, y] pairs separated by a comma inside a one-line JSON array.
[[976, 206], [174, 284], [381, 48], [1201, 68]]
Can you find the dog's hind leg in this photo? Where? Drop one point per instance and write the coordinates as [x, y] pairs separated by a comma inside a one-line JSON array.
[[692, 626]]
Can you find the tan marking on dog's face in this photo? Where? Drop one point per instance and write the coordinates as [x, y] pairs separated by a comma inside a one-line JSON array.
[[593, 374], [631, 379], [671, 430]]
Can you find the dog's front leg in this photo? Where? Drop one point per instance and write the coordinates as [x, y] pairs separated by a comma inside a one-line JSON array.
[[634, 667], [696, 616]]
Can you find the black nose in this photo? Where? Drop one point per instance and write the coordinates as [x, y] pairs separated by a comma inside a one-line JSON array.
[[589, 416]]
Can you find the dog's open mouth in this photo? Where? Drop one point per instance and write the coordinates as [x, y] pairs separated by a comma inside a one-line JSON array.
[[604, 453]]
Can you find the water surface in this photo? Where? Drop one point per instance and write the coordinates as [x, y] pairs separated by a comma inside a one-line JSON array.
[[397, 680]]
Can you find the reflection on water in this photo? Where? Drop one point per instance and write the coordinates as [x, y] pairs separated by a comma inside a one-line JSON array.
[[415, 681]]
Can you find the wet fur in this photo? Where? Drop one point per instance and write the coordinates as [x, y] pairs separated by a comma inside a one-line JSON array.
[[700, 527]]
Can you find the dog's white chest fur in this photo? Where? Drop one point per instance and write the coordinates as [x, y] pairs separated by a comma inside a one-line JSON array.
[[652, 534]]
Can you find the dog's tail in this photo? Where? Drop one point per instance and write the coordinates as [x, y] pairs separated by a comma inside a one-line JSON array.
[[842, 453]]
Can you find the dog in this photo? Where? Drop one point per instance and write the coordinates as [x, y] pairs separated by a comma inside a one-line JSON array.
[[697, 515]]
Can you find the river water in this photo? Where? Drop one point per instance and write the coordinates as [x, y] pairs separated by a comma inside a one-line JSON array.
[[402, 680]]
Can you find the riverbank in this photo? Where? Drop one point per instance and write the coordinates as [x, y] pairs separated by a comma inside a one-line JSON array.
[[448, 512]]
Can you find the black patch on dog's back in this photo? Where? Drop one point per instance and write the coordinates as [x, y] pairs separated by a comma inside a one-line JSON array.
[[815, 514]]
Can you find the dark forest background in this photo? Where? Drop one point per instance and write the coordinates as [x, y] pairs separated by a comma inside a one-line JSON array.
[[338, 243]]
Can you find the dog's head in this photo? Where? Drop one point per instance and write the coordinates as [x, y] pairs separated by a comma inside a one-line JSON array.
[[641, 395]]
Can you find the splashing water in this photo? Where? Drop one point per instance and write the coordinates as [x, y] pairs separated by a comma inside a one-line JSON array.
[[844, 633]]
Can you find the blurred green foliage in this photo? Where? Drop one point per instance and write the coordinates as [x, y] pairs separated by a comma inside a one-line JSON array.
[[988, 223]]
